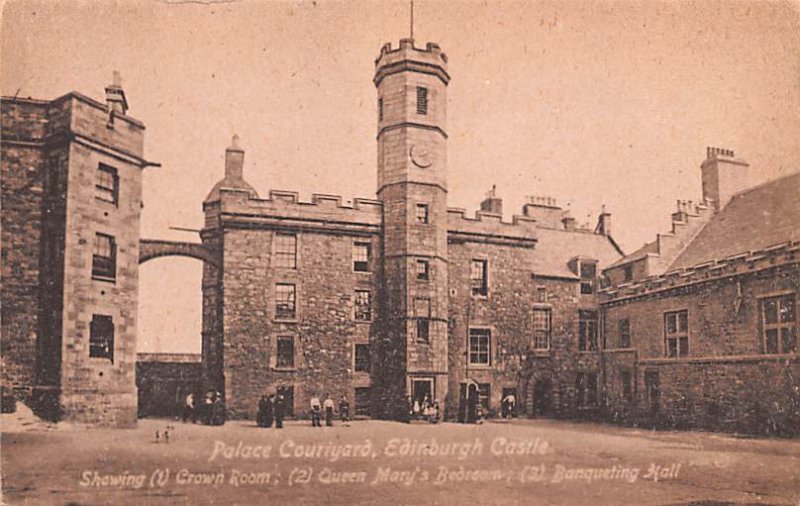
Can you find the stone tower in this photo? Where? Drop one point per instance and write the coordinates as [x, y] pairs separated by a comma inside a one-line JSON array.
[[412, 185], [72, 198]]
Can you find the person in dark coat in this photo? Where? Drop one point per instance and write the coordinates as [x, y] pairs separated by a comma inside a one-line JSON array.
[[472, 404], [344, 409], [261, 416], [280, 410], [328, 405], [269, 413]]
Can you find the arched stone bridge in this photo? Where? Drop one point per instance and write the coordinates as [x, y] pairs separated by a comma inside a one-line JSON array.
[[152, 248]]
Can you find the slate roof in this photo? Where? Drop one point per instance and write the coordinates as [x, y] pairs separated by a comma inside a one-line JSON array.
[[754, 219], [648, 248], [555, 248]]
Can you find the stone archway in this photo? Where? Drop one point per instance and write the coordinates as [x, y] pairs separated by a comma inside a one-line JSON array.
[[154, 248], [163, 380]]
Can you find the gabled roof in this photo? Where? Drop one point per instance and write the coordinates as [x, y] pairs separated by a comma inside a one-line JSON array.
[[648, 248], [754, 219], [555, 248]]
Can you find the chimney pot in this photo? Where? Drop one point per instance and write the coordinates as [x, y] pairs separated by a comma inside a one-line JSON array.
[[234, 160]]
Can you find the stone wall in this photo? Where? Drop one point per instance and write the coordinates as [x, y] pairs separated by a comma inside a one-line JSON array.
[[508, 312], [727, 381], [23, 199], [164, 380], [99, 390], [324, 328]]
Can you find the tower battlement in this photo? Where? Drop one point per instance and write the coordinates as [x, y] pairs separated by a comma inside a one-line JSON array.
[[406, 51], [430, 60]]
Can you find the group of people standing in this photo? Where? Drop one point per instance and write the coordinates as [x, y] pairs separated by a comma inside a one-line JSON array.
[[271, 409], [425, 410], [328, 405], [210, 410]]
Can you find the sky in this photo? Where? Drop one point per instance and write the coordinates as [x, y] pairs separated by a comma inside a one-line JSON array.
[[593, 103]]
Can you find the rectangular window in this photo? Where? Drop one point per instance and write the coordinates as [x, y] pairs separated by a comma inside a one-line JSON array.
[[628, 273], [106, 187], [541, 329], [362, 358], [541, 294], [779, 324], [422, 100], [423, 270], [285, 300], [285, 352], [422, 214], [422, 315], [286, 251], [104, 258], [101, 337], [380, 109], [363, 305], [288, 399], [361, 256], [362, 400], [588, 275], [676, 333], [479, 278], [586, 389], [624, 333], [587, 330], [627, 385], [480, 346]]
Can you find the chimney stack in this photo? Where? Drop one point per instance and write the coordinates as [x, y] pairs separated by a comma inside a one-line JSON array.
[[568, 221], [115, 96], [603, 223], [545, 210], [723, 176], [492, 204], [234, 160]]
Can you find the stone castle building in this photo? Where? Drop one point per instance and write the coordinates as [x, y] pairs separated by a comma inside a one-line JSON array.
[[71, 190], [400, 296], [395, 298]]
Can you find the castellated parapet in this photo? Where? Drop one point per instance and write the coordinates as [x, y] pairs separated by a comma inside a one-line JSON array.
[[490, 228], [284, 209], [408, 54]]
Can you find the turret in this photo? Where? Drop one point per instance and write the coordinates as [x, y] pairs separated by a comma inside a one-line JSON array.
[[234, 173], [412, 185]]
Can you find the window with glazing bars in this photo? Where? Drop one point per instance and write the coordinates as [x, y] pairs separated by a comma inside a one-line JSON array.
[[286, 250], [779, 324], [104, 257], [285, 301], [363, 305], [479, 346]]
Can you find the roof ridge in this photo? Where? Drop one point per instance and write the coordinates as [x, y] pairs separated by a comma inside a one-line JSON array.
[[765, 183]]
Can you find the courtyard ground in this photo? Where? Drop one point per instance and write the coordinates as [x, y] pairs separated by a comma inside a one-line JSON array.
[[386, 463]]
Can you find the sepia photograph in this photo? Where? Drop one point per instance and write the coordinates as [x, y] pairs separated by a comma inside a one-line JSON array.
[[379, 252]]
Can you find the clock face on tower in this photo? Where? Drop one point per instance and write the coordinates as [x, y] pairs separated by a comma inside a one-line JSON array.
[[420, 156]]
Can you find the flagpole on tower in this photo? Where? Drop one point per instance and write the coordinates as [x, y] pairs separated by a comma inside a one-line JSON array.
[[412, 19]]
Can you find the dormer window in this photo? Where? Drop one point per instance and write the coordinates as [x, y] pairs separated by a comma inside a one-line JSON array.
[[628, 270], [588, 272]]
